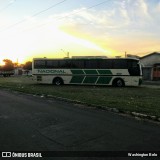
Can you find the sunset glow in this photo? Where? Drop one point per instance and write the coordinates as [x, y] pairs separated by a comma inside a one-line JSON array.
[[88, 27]]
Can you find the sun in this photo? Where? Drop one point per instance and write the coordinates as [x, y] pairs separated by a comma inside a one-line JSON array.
[[45, 42], [2, 63]]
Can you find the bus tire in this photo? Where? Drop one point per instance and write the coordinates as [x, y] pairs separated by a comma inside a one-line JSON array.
[[118, 82], [58, 81]]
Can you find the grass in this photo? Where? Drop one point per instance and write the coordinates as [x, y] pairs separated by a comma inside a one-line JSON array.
[[134, 99]]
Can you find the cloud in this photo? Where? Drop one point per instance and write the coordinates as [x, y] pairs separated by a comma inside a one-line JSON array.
[[126, 18], [143, 6], [157, 8], [121, 15], [12, 1], [108, 28]]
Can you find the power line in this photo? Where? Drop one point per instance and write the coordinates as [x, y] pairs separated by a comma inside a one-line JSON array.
[[34, 15], [7, 6], [69, 15], [85, 9], [58, 18], [38, 13]]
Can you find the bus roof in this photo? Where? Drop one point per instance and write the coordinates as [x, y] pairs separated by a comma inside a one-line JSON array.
[[82, 58]]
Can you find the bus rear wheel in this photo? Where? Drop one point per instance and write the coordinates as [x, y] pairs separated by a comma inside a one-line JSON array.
[[58, 81], [118, 83]]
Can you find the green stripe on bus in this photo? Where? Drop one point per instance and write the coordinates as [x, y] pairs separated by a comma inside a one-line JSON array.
[[90, 71], [90, 79], [102, 71], [77, 71], [104, 80], [77, 79]]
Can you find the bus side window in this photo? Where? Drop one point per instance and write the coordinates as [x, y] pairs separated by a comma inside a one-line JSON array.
[[67, 64], [91, 64], [73, 64], [109, 64], [62, 64], [38, 64], [52, 64], [49, 64], [105, 64], [120, 64], [79, 64]]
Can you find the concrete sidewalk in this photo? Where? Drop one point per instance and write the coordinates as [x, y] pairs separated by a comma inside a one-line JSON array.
[[151, 82]]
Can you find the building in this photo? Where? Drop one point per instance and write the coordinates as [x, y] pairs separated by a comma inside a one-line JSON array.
[[132, 56], [18, 71], [151, 66]]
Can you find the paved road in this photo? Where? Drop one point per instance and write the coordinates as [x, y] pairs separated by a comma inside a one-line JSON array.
[[38, 124]]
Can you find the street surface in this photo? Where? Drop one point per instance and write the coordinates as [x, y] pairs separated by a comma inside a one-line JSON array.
[[30, 123]]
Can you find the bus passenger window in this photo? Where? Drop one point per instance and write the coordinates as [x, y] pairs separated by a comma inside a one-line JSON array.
[[39, 64]]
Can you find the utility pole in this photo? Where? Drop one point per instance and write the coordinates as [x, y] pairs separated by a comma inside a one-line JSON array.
[[125, 54], [67, 53]]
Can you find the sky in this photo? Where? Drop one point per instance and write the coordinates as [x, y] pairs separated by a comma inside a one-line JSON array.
[[52, 28]]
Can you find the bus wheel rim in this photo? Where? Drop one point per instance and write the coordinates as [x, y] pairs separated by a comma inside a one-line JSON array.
[[119, 83], [58, 83]]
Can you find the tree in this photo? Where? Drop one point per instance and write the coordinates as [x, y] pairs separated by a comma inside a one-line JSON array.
[[28, 65], [8, 65]]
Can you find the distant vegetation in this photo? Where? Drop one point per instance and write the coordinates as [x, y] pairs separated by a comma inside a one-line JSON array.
[[8, 65], [28, 65]]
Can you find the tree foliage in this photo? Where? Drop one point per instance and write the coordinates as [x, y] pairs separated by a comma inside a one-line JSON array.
[[8, 65], [28, 65]]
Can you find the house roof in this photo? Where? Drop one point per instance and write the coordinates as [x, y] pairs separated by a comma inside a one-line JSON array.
[[154, 53]]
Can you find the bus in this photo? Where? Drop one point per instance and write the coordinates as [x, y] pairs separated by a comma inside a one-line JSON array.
[[117, 72]]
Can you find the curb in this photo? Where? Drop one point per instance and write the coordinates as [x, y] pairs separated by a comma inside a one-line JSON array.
[[138, 116]]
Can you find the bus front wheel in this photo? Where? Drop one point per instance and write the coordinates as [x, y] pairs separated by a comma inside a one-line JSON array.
[[58, 81], [118, 83]]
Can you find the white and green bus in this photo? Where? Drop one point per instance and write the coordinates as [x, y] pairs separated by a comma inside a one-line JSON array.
[[88, 71]]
